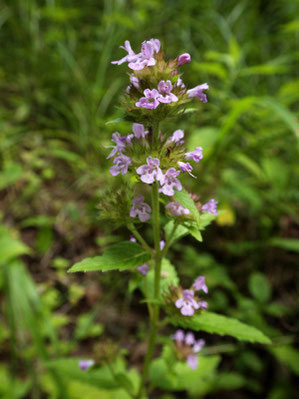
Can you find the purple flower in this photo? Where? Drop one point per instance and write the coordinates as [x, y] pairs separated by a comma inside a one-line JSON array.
[[162, 244], [210, 207], [186, 167], [179, 83], [150, 172], [150, 101], [198, 92], [142, 59], [176, 209], [184, 59], [178, 336], [146, 56], [164, 89], [121, 164], [134, 81], [199, 284], [192, 361], [120, 142], [177, 136], [187, 303], [85, 364], [196, 155], [198, 345], [169, 181], [133, 239], [139, 131], [129, 138], [131, 57], [143, 269], [140, 209], [156, 44], [203, 304], [189, 339]]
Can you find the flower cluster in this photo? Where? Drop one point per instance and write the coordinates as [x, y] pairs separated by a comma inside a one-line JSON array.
[[187, 347], [188, 302]]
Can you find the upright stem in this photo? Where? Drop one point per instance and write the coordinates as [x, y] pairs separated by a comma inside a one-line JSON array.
[[154, 321]]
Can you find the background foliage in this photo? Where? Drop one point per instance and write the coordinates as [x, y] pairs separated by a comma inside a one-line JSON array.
[[58, 108]]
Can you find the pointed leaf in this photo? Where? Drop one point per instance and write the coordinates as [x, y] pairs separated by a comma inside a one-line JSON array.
[[187, 202], [222, 325], [122, 256]]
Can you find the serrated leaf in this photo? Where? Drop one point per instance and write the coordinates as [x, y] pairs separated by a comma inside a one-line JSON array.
[[187, 202], [122, 256], [217, 324]]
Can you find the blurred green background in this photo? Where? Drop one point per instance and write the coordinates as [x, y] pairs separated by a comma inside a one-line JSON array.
[[58, 107]]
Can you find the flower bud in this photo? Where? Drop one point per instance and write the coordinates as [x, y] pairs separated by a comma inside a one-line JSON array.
[[184, 59]]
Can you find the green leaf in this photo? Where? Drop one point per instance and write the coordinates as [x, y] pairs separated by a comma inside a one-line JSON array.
[[287, 355], [122, 256], [69, 368], [222, 325], [205, 219], [10, 247], [289, 244], [180, 232], [10, 174], [187, 202], [195, 233], [259, 287]]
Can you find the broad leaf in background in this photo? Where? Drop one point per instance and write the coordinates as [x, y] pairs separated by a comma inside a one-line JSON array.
[[122, 256], [10, 247], [222, 325]]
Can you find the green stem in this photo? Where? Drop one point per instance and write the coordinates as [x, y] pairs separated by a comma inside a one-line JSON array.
[[154, 321], [170, 239], [139, 237]]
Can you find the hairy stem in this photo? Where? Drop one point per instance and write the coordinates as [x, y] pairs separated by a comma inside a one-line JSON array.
[[138, 236], [154, 321]]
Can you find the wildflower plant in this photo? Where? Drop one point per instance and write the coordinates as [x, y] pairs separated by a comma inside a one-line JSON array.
[[151, 163]]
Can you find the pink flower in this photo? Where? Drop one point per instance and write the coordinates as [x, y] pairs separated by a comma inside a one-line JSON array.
[[140, 209], [150, 172]]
